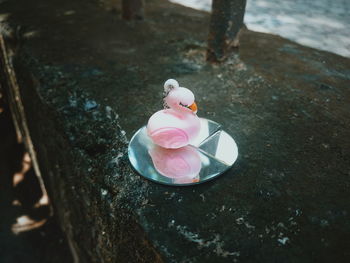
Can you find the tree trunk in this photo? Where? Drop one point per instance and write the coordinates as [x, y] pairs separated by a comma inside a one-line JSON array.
[[133, 9], [225, 25]]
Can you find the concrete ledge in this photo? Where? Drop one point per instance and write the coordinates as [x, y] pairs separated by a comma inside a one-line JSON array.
[[88, 80]]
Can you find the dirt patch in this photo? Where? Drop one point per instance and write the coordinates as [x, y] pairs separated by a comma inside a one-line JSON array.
[[28, 233]]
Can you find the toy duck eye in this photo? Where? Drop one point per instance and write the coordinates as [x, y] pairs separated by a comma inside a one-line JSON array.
[[183, 105]]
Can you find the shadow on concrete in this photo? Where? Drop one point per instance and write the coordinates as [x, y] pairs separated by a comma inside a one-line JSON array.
[[28, 233]]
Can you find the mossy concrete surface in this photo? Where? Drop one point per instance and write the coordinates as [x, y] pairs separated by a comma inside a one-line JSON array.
[[89, 80]]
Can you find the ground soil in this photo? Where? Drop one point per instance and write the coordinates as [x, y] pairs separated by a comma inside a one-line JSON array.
[[27, 231]]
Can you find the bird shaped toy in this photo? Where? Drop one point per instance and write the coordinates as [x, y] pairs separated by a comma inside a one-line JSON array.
[[182, 165], [177, 124]]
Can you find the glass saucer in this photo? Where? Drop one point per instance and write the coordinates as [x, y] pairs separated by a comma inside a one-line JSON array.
[[211, 154]]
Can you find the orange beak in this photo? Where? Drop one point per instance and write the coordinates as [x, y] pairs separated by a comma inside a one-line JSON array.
[[193, 107]]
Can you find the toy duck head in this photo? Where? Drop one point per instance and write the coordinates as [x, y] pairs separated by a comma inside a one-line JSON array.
[[179, 98]]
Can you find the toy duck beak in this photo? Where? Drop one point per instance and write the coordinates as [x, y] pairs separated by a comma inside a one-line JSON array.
[[193, 107]]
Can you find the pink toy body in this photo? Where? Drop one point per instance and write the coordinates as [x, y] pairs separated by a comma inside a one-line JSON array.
[[177, 126], [182, 165]]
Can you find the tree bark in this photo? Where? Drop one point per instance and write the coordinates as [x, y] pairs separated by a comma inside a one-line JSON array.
[[225, 25], [133, 9]]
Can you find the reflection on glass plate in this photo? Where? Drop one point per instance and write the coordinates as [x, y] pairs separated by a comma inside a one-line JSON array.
[[209, 155]]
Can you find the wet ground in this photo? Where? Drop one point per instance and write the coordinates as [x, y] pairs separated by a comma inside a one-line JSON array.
[[319, 24], [28, 233]]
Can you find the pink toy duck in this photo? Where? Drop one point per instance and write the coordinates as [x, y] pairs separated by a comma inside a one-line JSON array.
[[182, 165], [178, 123]]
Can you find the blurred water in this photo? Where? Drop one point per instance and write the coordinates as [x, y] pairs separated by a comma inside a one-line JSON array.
[[319, 24]]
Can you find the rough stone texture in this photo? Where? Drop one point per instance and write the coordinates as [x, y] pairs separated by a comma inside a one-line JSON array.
[[286, 199]]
